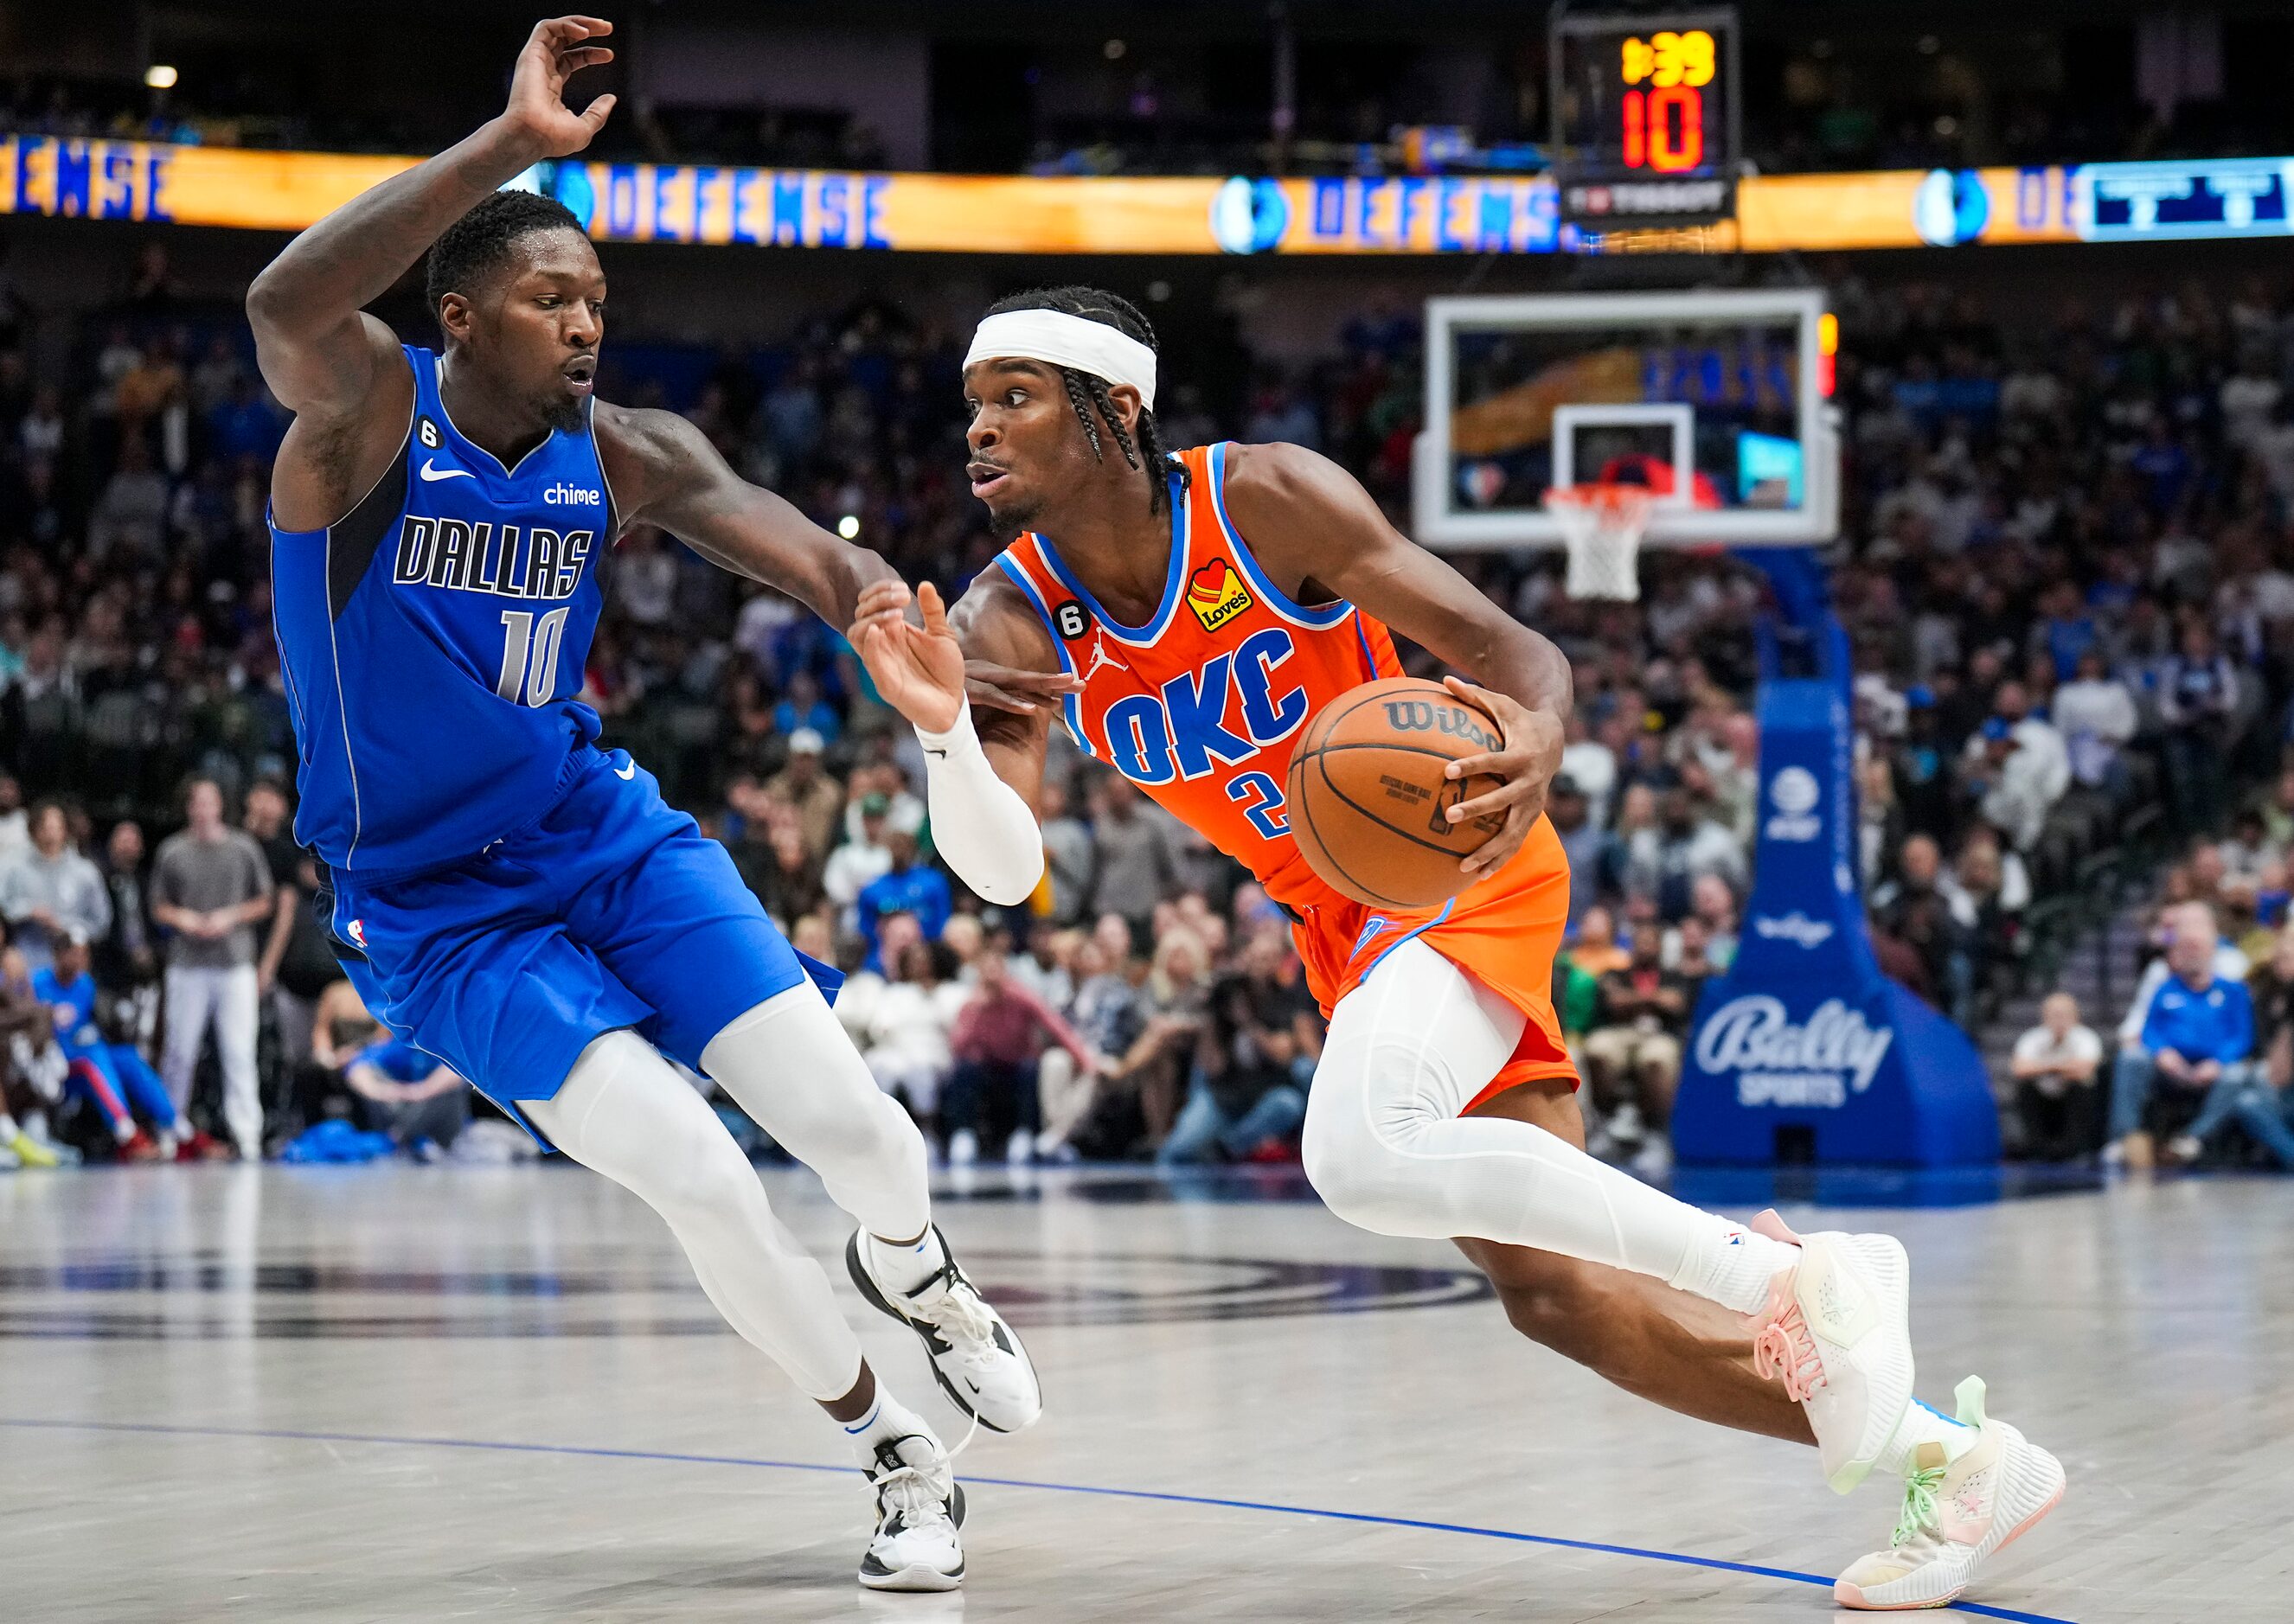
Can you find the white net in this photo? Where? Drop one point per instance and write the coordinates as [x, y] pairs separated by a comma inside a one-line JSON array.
[[1601, 526]]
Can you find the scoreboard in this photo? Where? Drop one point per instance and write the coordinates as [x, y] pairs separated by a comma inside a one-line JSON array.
[[1644, 117]]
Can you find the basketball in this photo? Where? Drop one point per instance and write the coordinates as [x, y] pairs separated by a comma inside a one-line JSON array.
[[1368, 804]]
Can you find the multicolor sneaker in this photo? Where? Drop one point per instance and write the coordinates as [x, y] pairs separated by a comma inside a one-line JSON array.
[[919, 1508], [30, 1152], [1837, 1333], [1956, 1513]]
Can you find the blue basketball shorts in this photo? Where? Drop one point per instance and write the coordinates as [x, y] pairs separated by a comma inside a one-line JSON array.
[[613, 911]]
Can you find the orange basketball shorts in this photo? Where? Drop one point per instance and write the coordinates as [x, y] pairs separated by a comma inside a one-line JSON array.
[[1504, 932]]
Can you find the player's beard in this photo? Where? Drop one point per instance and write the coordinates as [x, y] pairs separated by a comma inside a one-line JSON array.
[[1008, 523], [562, 412]]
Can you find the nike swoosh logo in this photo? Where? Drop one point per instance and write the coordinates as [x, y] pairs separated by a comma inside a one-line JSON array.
[[431, 473], [626, 773], [931, 751]]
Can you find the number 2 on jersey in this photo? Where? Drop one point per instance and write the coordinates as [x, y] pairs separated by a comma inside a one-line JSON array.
[[529, 667], [1262, 803]]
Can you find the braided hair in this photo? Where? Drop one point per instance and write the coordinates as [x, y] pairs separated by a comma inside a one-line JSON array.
[[1095, 408]]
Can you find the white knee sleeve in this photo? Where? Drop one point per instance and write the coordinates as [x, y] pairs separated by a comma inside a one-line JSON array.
[[625, 1113], [1385, 1147], [790, 1065]]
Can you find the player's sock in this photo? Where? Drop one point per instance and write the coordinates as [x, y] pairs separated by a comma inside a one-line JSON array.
[[1731, 1265], [905, 1266], [1923, 1425], [887, 1420]]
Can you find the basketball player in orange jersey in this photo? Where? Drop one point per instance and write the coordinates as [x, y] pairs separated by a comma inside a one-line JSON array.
[[1206, 603]]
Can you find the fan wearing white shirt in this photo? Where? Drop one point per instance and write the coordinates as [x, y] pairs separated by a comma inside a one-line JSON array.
[[2055, 1065]]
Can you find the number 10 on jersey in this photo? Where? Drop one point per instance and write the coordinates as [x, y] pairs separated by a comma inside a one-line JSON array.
[[529, 664]]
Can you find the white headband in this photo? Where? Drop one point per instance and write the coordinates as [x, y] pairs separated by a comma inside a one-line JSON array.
[[1063, 340]]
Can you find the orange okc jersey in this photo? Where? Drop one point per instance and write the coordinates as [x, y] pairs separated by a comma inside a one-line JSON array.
[[1200, 707]]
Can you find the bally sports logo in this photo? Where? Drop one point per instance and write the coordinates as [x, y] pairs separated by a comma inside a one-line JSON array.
[[1216, 593], [1778, 1061]]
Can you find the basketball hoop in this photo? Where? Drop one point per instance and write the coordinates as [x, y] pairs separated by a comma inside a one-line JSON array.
[[1601, 526]]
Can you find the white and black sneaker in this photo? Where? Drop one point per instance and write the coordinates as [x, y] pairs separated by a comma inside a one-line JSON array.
[[919, 1508], [975, 1356]]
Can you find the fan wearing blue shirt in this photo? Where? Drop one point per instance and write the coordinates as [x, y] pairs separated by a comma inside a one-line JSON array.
[[2199, 1027], [114, 1077], [408, 1095], [907, 887]]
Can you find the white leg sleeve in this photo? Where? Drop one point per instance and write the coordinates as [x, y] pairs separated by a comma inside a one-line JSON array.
[[979, 822], [792, 1068], [626, 1113], [1387, 1150]]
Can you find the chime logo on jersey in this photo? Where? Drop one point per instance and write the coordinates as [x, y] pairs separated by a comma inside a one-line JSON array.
[[1216, 593], [465, 557]]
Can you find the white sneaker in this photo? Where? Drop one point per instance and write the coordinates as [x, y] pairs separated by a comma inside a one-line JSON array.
[[1837, 1333], [1956, 1514], [963, 1148], [919, 1508], [1625, 1123], [1019, 1148], [2183, 1150], [977, 1359], [9, 1160]]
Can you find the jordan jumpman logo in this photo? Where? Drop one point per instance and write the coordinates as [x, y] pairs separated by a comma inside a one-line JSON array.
[[1100, 656]]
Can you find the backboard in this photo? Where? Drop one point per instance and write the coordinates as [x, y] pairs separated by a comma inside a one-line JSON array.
[[1717, 401]]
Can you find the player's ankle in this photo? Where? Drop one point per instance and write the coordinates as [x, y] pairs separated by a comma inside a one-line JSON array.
[[904, 1265]]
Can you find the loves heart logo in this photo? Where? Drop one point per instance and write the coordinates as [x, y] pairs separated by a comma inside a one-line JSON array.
[[1216, 593]]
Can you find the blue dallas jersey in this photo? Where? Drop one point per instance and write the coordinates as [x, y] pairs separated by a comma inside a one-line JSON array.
[[434, 642]]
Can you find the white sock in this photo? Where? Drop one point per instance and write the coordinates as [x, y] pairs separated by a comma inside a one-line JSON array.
[[904, 1268], [1924, 1425], [1729, 1264], [887, 1418]]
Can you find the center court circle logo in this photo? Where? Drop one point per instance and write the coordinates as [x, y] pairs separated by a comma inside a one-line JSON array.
[[1249, 217], [105, 1298]]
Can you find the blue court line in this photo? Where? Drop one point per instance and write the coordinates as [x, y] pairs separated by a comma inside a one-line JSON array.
[[1000, 1482]]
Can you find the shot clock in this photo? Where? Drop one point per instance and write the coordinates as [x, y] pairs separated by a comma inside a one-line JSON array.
[[1644, 117]]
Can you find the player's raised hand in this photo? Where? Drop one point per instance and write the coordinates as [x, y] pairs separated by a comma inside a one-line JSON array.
[[917, 667], [1527, 761], [554, 52]]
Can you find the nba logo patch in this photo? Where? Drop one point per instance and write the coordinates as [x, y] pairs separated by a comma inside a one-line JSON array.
[[358, 934], [1216, 593]]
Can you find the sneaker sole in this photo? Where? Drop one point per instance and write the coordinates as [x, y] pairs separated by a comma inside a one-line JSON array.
[[1852, 1596], [915, 1577], [884, 1306]]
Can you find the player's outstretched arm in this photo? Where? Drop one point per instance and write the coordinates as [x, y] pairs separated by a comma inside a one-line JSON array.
[[980, 782], [322, 355], [1309, 520]]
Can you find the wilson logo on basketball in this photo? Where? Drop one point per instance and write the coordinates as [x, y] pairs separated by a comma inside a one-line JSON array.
[[1416, 716], [1216, 593]]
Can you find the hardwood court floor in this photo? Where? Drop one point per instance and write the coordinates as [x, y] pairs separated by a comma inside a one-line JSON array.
[[400, 1393]]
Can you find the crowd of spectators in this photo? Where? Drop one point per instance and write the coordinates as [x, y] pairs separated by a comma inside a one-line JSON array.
[[2065, 570], [2200, 1064]]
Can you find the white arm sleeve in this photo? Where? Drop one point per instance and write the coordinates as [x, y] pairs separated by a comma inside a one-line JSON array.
[[979, 822]]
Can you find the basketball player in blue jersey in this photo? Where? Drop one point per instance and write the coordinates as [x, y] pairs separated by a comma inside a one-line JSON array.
[[509, 897]]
